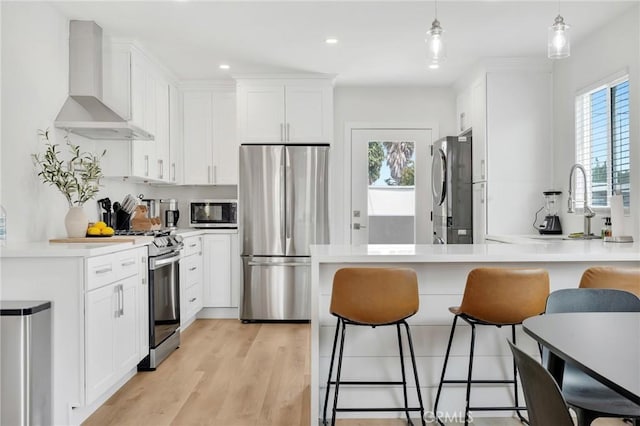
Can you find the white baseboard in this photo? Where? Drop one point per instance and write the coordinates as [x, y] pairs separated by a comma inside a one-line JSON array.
[[218, 313]]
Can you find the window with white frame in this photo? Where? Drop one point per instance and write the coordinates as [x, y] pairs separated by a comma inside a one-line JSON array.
[[602, 142]]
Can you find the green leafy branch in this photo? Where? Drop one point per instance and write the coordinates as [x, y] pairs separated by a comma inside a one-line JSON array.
[[78, 179]]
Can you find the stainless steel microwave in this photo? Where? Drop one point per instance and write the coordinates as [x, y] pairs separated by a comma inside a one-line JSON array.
[[213, 213]]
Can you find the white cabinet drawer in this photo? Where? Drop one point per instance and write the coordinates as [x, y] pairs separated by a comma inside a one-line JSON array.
[[193, 300], [126, 263], [192, 270], [192, 245], [101, 270]]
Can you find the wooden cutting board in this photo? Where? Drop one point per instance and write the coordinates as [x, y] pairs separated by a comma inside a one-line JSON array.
[[97, 240]]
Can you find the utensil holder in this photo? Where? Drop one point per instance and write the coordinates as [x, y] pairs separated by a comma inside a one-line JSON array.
[[122, 220]]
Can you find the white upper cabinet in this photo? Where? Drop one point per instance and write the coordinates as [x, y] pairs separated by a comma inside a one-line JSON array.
[[175, 136], [139, 90], [510, 106], [478, 101], [464, 111], [287, 111], [209, 136]]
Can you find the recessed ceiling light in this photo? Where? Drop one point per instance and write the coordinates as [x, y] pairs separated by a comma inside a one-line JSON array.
[[331, 40], [224, 66], [434, 66]]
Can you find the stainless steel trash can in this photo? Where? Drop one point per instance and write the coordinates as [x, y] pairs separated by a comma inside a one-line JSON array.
[[25, 363]]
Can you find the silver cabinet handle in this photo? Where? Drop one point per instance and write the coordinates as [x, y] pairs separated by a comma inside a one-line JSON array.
[[358, 226], [193, 299], [193, 268], [129, 263], [482, 172], [160, 169], [208, 174], [104, 270], [121, 300], [192, 245], [173, 170], [215, 174], [288, 133], [116, 290], [281, 132], [146, 165]]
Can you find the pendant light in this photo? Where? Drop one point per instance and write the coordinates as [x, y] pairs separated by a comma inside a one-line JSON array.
[[435, 43], [558, 43]]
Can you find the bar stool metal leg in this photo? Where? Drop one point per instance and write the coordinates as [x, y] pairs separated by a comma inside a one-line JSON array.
[[404, 377], [333, 355], [338, 371], [468, 395], [415, 373], [515, 378], [444, 370]]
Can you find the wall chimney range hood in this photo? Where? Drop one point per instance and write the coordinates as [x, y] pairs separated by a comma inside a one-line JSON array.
[[84, 113]]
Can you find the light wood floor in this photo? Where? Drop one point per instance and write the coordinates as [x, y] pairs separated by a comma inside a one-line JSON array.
[[226, 373]]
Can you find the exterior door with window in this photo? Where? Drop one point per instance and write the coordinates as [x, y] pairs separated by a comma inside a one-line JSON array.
[[390, 186]]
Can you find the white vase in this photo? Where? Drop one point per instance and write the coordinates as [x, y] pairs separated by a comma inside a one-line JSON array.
[[76, 222]]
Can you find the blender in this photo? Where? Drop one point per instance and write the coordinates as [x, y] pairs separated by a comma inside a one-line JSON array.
[[551, 224]]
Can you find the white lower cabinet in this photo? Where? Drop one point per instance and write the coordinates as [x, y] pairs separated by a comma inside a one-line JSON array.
[[112, 344], [116, 318], [221, 270], [191, 280], [99, 319]]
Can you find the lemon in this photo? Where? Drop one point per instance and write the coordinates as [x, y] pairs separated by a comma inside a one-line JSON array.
[[93, 230], [107, 230], [100, 225]]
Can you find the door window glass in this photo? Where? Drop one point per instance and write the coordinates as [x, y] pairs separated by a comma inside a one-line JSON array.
[[391, 192]]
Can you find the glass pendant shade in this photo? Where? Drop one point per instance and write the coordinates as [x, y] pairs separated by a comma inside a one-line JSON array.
[[435, 45], [558, 42]]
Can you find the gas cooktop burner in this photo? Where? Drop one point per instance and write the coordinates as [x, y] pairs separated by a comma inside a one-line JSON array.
[[154, 233], [165, 241]]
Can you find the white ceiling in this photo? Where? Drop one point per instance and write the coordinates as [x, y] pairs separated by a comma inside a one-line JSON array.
[[381, 42]]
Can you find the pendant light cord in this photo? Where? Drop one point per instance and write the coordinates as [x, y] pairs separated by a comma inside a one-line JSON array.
[[436, 8]]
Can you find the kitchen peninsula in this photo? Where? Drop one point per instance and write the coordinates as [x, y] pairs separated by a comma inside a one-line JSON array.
[[442, 270]]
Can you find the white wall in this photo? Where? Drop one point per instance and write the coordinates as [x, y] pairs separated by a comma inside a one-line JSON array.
[[614, 47], [34, 86], [380, 105]]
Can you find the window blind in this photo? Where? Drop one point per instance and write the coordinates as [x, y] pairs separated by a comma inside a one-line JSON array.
[[602, 143]]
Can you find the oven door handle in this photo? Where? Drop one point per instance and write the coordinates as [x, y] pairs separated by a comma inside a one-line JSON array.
[[154, 264]]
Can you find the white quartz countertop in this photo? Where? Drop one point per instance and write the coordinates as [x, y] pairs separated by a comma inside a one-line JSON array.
[[46, 249], [193, 232], [555, 251]]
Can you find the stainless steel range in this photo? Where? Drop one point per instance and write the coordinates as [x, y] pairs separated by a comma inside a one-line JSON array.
[[164, 295]]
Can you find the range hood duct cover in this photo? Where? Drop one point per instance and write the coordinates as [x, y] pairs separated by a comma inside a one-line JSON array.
[[84, 113]]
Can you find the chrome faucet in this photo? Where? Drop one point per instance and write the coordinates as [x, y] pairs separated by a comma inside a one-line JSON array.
[[588, 213]]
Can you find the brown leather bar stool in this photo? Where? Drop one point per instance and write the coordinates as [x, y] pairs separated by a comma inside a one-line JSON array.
[[627, 279], [497, 297], [373, 297]]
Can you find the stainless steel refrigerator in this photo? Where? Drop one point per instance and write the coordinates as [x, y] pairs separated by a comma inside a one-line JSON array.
[[451, 181], [283, 210]]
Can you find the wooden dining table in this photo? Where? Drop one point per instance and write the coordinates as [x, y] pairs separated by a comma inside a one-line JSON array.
[[605, 345]]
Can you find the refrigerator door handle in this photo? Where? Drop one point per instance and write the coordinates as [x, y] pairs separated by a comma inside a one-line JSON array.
[[283, 203], [289, 201], [251, 263]]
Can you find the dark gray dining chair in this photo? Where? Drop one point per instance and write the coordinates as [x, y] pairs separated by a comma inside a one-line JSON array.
[[545, 404], [589, 398]]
